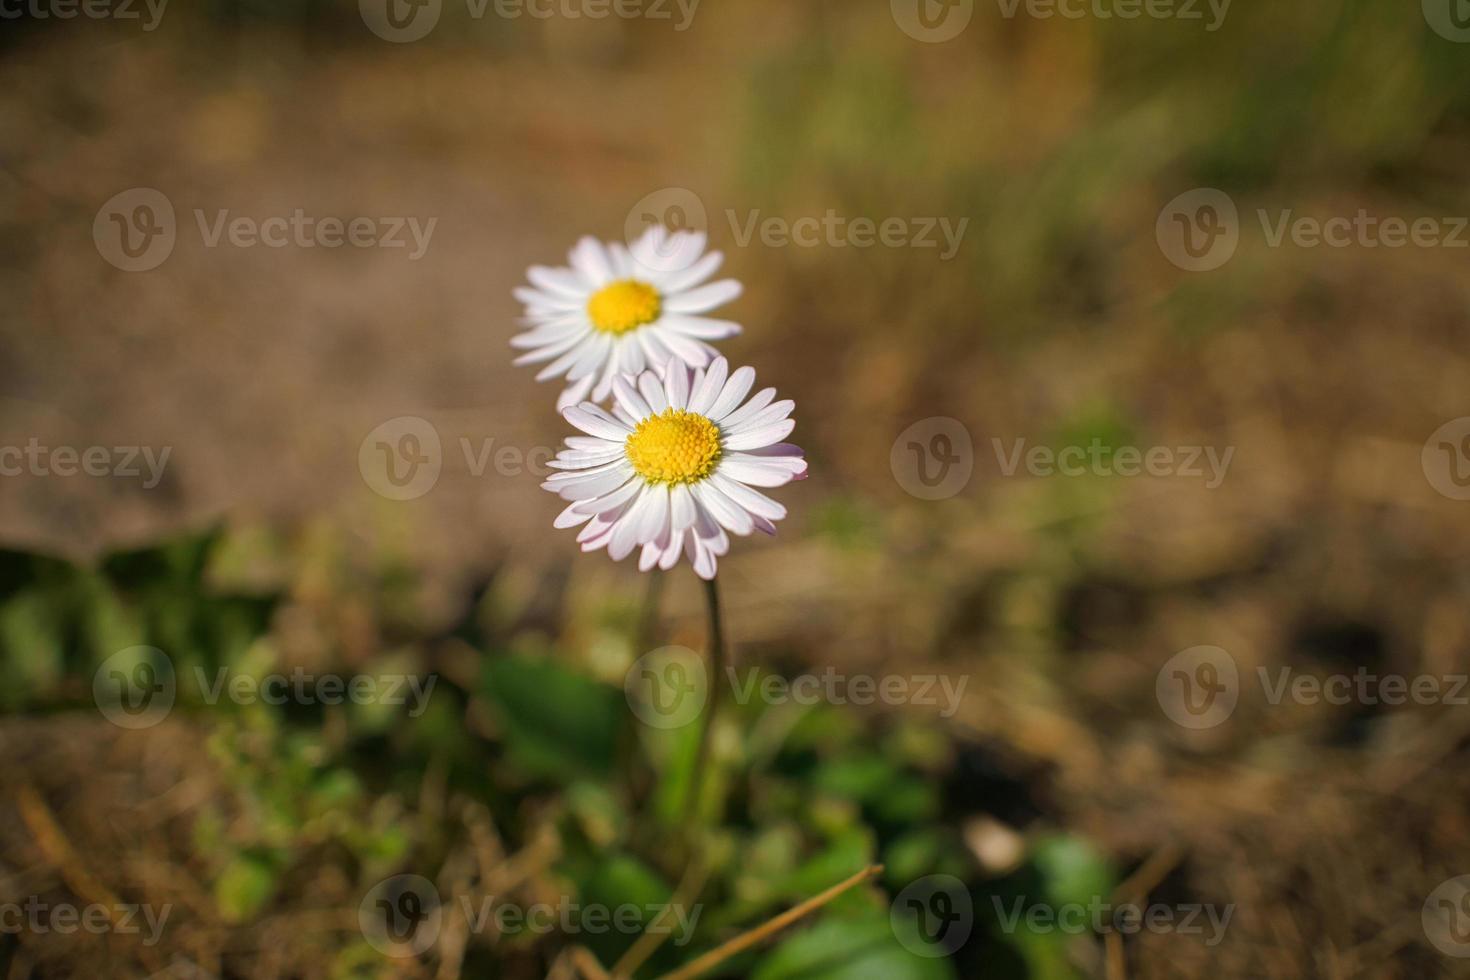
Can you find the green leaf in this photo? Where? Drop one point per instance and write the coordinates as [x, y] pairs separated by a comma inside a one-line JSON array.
[[850, 949], [558, 724], [1072, 871], [243, 887], [626, 896]]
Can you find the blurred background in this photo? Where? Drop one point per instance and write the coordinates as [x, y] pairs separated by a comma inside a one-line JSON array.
[[1132, 268]]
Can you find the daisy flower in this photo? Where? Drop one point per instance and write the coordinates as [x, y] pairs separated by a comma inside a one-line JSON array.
[[620, 310], [671, 468]]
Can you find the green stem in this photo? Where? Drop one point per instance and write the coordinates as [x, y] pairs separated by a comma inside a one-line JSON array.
[[715, 675]]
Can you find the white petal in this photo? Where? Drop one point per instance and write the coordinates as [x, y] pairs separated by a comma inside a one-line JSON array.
[[589, 258], [764, 417], [758, 473], [558, 282], [763, 436], [596, 422], [551, 349], [612, 502], [733, 421], [577, 459], [682, 509], [740, 382], [722, 508], [594, 356], [653, 392], [750, 500], [570, 518], [589, 484], [574, 394], [676, 386], [629, 399], [703, 299], [683, 279], [693, 352], [699, 327], [709, 383], [629, 528]]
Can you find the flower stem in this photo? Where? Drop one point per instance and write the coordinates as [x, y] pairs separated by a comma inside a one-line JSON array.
[[716, 669]]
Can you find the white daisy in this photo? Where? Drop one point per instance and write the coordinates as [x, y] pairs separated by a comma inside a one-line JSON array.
[[620, 310], [671, 468]]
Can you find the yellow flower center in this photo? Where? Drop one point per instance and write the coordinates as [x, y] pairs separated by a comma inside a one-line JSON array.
[[623, 305], [674, 447]]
